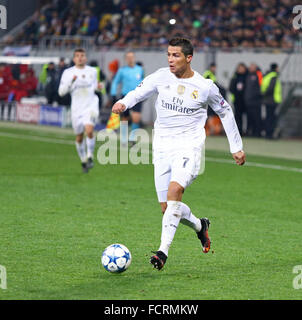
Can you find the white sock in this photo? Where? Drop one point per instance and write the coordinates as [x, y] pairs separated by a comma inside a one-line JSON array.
[[170, 223], [90, 146], [81, 149], [188, 218]]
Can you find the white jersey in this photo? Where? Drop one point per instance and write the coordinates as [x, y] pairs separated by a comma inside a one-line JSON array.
[[82, 90], [181, 107]]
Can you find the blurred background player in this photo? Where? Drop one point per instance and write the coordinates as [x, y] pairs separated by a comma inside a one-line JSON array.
[[130, 76], [272, 95], [81, 82]]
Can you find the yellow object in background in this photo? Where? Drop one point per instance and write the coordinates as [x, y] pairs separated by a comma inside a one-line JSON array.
[[113, 122]]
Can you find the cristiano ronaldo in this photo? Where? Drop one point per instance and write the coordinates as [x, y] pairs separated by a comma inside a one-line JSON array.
[[179, 136]]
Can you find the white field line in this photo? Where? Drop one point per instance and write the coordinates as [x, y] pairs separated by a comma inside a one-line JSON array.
[[210, 159], [36, 138], [256, 164]]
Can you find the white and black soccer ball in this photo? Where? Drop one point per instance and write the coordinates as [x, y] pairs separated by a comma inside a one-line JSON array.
[[116, 258]]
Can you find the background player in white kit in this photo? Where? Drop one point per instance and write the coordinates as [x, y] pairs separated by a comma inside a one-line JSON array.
[[81, 82], [179, 136]]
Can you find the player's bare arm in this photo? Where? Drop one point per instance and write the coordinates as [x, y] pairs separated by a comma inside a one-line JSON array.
[[239, 157]]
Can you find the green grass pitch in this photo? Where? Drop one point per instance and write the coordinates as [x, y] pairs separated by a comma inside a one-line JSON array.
[[55, 222]]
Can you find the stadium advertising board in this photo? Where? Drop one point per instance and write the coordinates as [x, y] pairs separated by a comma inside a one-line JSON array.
[[51, 116], [29, 113]]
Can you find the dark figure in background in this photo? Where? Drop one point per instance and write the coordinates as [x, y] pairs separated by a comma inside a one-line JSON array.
[[210, 73], [237, 89], [253, 100], [66, 100], [213, 124], [101, 77], [272, 96], [51, 83]]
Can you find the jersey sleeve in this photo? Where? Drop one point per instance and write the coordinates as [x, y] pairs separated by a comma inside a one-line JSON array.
[[65, 84], [95, 80], [143, 91], [225, 113]]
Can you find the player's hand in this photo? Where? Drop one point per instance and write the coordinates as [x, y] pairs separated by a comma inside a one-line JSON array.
[[239, 157], [118, 108]]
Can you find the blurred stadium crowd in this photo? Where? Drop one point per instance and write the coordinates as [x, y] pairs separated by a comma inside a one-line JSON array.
[[147, 23], [121, 24], [16, 82]]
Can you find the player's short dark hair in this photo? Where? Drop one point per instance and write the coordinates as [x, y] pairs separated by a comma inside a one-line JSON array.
[[79, 50], [185, 44]]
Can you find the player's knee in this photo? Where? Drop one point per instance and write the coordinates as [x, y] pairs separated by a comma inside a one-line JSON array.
[[89, 132], [79, 138], [175, 191]]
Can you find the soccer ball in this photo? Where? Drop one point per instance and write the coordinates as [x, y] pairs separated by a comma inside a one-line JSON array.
[[116, 258]]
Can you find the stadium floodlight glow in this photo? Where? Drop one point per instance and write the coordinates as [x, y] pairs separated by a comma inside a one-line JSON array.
[[172, 21]]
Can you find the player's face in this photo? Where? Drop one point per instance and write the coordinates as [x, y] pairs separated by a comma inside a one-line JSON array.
[[80, 59], [178, 62], [130, 59]]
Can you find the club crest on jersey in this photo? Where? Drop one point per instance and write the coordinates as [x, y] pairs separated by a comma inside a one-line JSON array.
[[194, 94], [181, 89]]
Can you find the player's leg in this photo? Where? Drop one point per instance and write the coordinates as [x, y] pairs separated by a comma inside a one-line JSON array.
[[176, 211], [162, 174], [169, 195], [90, 142], [89, 120], [187, 217], [183, 172], [172, 210], [78, 129], [81, 150], [171, 217]]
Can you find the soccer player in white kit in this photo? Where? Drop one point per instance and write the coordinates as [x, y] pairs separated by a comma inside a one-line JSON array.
[[179, 136], [81, 82]]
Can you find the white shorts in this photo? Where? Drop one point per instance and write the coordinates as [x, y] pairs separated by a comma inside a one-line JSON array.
[[180, 165], [89, 117]]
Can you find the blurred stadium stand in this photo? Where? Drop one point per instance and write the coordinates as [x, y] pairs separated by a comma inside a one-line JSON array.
[[224, 32], [16, 19]]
